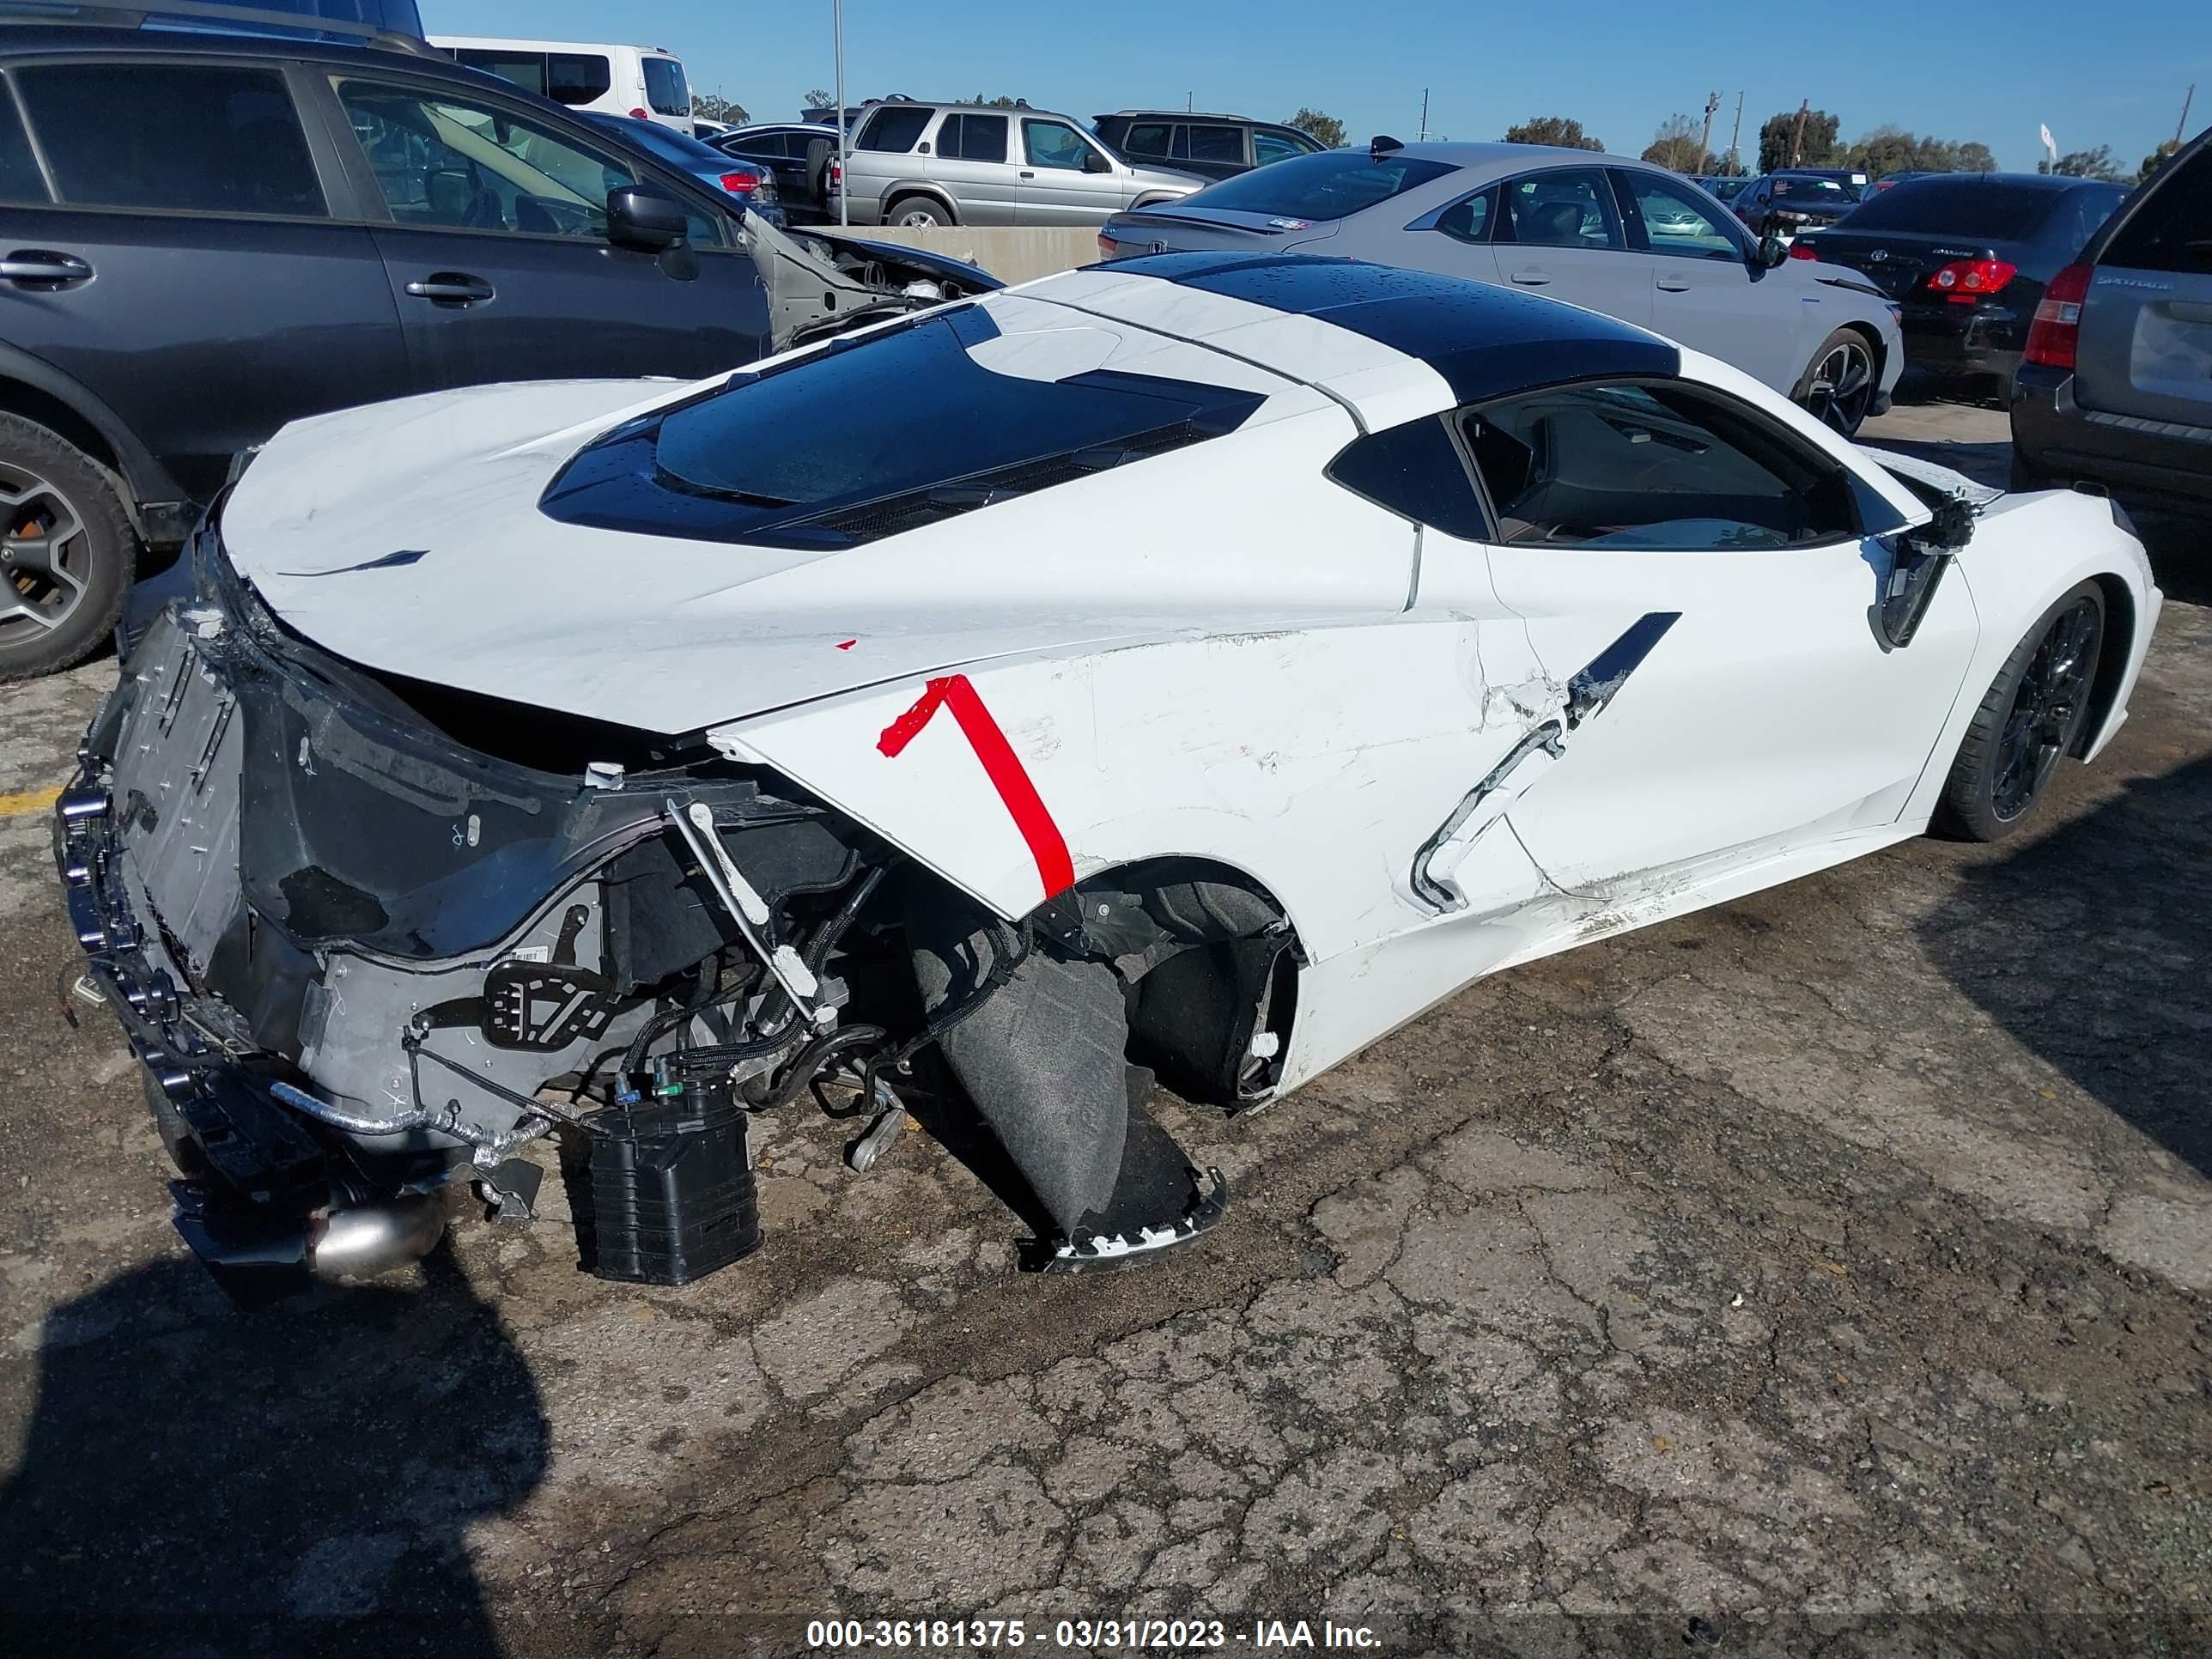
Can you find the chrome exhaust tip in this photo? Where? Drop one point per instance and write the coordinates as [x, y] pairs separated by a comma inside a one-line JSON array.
[[364, 1239]]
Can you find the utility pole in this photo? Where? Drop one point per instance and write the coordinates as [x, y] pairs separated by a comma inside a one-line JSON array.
[[1797, 133], [1735, 161], [837, 21], [1422, 137], [2187, 99], [1706, 141]]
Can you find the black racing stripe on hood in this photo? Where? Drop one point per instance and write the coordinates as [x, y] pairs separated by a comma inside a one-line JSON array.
[[1484, 341]]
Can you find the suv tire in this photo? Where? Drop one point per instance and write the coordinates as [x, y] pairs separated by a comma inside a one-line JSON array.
[[74, 551], [918, 212]]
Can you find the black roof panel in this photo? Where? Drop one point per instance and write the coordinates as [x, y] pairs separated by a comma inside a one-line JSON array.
[[1484, 341]]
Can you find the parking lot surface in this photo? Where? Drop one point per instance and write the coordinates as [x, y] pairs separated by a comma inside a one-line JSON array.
[[1831, 1269]]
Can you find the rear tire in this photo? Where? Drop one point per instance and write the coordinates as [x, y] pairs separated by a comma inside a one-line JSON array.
[[67, 551], [1838, 386], [918, 213], [2027, 723]]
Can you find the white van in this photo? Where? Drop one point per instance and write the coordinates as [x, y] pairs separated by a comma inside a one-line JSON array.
[[645, 81]]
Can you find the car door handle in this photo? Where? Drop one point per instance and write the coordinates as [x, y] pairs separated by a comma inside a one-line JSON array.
[[1532, 278], [1673, 285], [452, 288], [42, 268], [1026, 174]]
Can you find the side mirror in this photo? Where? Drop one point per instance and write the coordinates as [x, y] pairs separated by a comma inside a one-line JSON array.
[[1094, 162], [1772, 251], [645, 219], [1919, 558]]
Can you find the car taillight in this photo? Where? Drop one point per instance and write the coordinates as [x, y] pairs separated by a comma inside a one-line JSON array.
[[2055, 332], [1963, 281], [741, 184], [637, 115], [1107, 246], [1801, 250], [836, 175]]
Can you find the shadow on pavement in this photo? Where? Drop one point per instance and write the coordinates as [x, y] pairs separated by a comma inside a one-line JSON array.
[[202, 1481], [2091, 946]]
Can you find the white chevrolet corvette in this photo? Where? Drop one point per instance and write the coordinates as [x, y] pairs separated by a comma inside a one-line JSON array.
[[1189, 669]]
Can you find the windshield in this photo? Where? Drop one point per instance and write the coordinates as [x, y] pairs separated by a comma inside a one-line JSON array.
[[1825, 192], [879, 435], [1961, 204], [1329, 185], [393, 16]]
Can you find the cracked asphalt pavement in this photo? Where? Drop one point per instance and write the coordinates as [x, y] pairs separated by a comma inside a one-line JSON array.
[[1830, 1271]]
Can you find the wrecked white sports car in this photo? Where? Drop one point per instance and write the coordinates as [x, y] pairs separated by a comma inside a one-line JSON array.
[[1189, 669]]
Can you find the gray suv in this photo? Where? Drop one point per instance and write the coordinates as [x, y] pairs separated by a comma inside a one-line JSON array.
[[2115, 386], [966, 164]]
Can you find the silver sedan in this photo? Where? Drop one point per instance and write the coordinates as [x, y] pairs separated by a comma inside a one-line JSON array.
[[1629, 239]]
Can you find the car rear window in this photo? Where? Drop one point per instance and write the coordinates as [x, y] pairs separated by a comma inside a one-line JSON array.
[[2172, 229], [875, 436], [666, 88], [228, 140], [1328, 186], [1966, 205]]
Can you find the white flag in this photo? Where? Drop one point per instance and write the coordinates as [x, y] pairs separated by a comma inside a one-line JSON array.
[[2049, 142]]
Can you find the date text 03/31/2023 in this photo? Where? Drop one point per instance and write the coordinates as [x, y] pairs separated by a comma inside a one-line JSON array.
[[953, 1635]]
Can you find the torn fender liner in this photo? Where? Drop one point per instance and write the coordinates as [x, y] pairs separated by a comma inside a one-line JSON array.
[[1043, 1061]]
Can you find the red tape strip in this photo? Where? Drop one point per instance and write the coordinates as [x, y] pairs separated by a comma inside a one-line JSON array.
[[1000, 764]]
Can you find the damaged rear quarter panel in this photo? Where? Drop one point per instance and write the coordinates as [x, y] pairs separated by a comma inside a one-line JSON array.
[[1315, 760]]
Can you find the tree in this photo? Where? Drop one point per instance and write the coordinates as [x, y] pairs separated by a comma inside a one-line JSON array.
[[819, 98], [713, 106], [2158, 158], [1815, 148], [1324, 129], [1680, 144], [1889, 149], [2098, 163], [1557, 130], [1000, 103]]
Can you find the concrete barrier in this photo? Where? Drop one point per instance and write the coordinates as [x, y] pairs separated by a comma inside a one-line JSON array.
[[1012, 253]]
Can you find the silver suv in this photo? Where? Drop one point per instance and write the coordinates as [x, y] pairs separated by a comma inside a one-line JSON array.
[[965, 164]]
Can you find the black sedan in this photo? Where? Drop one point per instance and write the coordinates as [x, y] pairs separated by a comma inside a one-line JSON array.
[[1966, 255], [1785, 204], [803, 157]]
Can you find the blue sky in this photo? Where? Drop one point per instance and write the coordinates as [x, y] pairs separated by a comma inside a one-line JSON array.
[[2110, 73]]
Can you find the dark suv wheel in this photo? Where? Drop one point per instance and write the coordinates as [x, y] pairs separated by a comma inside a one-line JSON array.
[[67, 551]]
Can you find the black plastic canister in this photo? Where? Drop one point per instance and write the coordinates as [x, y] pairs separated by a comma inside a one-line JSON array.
[[672, 1198]]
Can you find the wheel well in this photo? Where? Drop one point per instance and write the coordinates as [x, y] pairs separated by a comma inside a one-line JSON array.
[[907, 191], [17, 398], [1874, 344], [2111, 663]]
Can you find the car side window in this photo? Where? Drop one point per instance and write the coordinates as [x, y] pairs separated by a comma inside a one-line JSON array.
[[893, 131], [982, 139], [227, 140], [577, 77], [1149, 138], [1676, 222], [1658, 466], [1054, 144], [467, 167], [1217, 144], [20, 178], [1414, 469], [1567, 207], [948, 136], [1271, 147], [1468, 220]]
